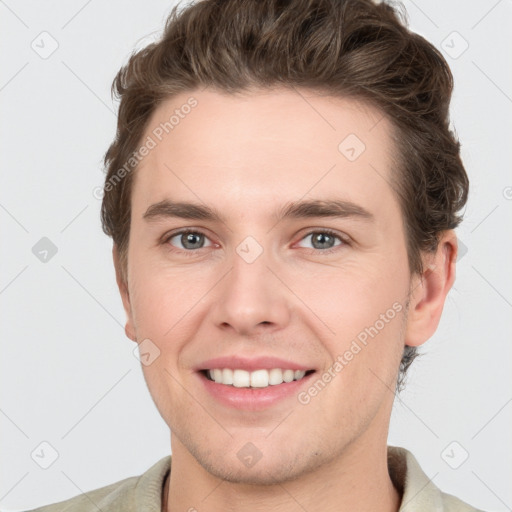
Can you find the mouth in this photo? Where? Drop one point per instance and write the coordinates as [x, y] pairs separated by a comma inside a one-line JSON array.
[[257, 390], [261, 378]]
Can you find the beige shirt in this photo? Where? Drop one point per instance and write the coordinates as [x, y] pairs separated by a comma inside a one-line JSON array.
[[144, 493]]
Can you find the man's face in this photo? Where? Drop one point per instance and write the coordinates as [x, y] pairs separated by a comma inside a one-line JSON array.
[[311, 289]]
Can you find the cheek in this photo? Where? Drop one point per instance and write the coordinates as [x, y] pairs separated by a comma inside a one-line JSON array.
[[359, 309], [162, 297], [162, 309], [349, 297]]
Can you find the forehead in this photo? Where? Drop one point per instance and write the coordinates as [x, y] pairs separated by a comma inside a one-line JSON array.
[[263, 146]]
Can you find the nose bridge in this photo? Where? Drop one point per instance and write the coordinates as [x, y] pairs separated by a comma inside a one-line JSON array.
[[250, 295]]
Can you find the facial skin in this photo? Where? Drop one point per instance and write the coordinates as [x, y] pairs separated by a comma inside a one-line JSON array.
[[248, 157]]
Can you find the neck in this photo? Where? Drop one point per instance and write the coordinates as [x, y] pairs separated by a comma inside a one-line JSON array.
[[358, 479]]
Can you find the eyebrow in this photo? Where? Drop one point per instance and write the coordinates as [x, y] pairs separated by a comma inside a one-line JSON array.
[[294, 210]]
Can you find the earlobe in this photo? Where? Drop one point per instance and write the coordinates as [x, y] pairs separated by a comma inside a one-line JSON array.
[[428, 291], [125, 296]]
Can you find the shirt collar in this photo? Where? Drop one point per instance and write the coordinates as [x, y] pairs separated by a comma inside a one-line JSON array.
[[416, 487]]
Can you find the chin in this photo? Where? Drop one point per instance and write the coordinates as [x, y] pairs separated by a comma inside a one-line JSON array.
[[260, 474], [279, 469]]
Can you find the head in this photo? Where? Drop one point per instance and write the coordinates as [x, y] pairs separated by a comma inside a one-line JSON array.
[[247, 107]]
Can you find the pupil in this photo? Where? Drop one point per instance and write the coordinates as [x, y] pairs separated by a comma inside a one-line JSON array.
[[323, 239], [188, 240]]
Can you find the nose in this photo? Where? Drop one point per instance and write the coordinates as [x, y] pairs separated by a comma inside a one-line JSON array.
[[251, 299]]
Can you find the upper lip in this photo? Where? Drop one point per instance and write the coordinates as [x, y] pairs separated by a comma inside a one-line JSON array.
[[251, 364]]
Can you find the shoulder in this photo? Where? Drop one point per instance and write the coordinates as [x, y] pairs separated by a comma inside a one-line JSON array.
[[419, 493], [122, 496], [111, 497], [454, 504]]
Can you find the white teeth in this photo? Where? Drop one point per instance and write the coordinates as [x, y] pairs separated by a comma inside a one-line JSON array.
[[288, 375], [259, 379], [241, 379], [227, 376], [255, 379], [275, 376]]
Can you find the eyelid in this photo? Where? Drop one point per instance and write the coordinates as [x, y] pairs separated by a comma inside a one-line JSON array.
[[343, 237]]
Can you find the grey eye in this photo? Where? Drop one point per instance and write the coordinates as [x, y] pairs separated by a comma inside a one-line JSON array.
[[189, 240], [322, 239]]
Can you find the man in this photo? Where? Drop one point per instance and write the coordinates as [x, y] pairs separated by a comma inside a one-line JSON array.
[[281, 193]]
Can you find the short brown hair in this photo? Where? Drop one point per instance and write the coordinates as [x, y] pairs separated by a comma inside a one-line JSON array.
[[345, 48]]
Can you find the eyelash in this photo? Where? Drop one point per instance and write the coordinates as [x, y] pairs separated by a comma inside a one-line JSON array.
[[192, 252]]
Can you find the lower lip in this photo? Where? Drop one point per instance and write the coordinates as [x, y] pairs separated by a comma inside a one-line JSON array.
[[253, 399]]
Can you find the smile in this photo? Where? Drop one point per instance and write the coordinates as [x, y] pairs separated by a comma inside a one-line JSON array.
[[255, 379]]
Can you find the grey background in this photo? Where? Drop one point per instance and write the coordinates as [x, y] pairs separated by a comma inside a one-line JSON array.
[[68, 374]]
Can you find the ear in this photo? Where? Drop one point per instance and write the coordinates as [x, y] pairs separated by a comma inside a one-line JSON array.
[[429, 291], [125, 296]]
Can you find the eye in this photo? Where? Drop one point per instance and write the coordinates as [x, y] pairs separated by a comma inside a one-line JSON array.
[[325, 240], [189, 240]]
